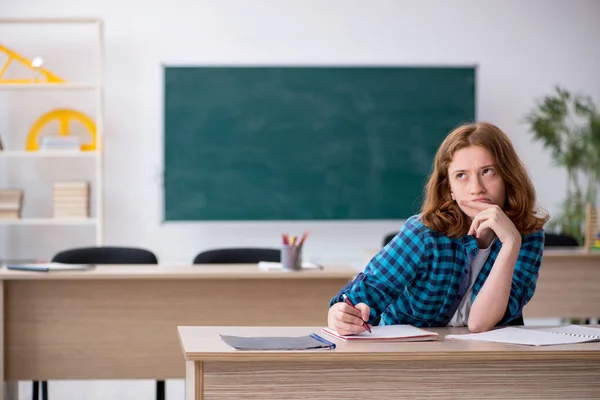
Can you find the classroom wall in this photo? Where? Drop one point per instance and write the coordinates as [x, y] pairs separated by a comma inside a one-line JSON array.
[[522, 48]]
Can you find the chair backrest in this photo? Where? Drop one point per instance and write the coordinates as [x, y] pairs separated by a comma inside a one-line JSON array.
[[388, 238], [238, 256], [106, 255], [559, 240], [517, 322]]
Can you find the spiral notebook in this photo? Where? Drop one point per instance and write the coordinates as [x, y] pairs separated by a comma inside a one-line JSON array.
[[569, 334]]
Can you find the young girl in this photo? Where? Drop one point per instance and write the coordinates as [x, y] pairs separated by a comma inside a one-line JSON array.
[[471, 257]]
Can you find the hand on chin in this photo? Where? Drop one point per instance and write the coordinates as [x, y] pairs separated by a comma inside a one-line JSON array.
[[469, 212]]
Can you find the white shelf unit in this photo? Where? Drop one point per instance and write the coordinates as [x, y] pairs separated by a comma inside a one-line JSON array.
[[49, 221], [47, 154], [97, 221], [51, 86]]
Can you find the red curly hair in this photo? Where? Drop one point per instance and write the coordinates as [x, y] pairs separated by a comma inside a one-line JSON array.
[[442, 214]]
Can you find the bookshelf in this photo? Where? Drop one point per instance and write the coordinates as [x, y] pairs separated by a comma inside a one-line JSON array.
[[94, 86], [47, 154], [50, 86], [49, 221]]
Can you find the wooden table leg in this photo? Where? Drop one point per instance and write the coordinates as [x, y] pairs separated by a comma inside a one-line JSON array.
[[194, 380], [8, 390], [11, 391]]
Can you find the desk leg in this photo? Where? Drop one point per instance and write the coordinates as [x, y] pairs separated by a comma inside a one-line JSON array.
[[8, 390], [11, 391], [194, 380]]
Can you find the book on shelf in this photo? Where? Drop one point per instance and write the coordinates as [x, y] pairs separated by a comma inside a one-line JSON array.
[[10, 215], [11, 203], [59, 143], [71, 199], [81, 185]]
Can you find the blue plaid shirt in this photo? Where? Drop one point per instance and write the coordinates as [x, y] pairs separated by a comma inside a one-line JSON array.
[[421, 276]]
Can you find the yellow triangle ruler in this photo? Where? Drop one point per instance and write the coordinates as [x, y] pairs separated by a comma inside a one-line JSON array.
[[40, 75]]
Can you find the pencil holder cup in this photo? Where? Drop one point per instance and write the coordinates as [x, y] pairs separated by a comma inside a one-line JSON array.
[[291, 257]]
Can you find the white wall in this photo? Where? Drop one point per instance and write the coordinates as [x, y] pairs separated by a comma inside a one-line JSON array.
[[522, 48]]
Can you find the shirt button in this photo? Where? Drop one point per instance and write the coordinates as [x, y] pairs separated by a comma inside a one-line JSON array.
[[466, 271]]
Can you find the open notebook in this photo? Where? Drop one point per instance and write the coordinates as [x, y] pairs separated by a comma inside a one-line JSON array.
[[392, 333], [536, 337]]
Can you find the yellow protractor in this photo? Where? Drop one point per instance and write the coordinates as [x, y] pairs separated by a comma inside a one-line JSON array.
[[12, 55], [64, 117]]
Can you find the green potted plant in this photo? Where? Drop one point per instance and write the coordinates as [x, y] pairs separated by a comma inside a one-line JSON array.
[[569, 126]]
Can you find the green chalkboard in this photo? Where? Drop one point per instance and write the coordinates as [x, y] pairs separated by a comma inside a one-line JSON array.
[[306, 143]]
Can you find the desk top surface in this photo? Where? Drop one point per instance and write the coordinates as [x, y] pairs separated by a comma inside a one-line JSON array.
[[198, 271], [203, 343]]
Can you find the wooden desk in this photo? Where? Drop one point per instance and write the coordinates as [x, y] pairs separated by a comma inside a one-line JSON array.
[[568, 285], [429, 370], [119, 322]]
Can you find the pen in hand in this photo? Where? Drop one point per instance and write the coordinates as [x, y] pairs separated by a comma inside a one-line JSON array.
[[349, 302]]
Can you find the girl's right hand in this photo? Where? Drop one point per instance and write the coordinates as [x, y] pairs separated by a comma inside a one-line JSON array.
[[347, 320]]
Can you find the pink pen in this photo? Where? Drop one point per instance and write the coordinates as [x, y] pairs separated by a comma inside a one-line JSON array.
[[349, 302]]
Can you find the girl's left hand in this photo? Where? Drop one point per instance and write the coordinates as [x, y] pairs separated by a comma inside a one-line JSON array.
[[492, 217]]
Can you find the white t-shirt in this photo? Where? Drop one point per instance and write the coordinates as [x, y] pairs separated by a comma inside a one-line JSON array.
[[461, 316]]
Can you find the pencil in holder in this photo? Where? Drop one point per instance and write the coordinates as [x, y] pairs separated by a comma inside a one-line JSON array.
[[291, 257]]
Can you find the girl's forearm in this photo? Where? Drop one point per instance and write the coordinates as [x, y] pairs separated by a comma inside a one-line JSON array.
[[491, 301]]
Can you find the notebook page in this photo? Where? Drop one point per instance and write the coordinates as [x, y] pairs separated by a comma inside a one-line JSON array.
[[528, 337], [386, 332], [575, 330]]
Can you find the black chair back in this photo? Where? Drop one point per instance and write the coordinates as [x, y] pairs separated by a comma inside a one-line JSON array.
[[106, 255], [559, 240], [516, 322], [388, 238], [238, 256]]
